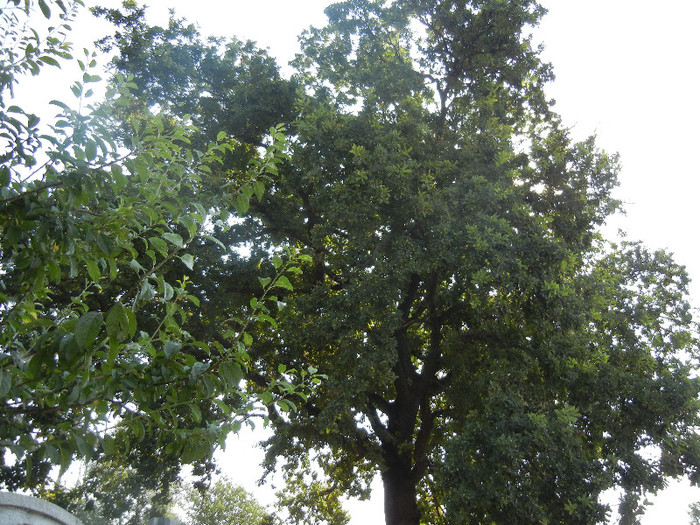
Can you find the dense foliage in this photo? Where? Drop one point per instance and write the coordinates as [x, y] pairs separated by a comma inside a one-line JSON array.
[[486, 351], [224, 504], [98, 220]]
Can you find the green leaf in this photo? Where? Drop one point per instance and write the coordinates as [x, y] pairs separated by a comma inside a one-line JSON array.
[[214, 240], [200, 210], [194, 300], [50, 60], [222, 406], [196, 412], [194, 450], [132, 325], [108, 445], [104, 243], [171, 348], [231, 374], [188, 222], [198, 369], [52, 454], [173, 238], [93, 270], [283, 282], [90, 150], [112, 268], [119, 180], [286, 405], [266, 318], [84, 448], [147, 292], [114, 348], [44, 8], [259, 189], [187, 260], [160, 245], [266, 397], [242, 204], [5, 383], [117, 322], [88, 328]]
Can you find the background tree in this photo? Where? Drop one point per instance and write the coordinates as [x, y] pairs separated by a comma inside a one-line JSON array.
[[130, 491], [694, 514], [487, 353], [307, 499], [121, 491], [223, 503]]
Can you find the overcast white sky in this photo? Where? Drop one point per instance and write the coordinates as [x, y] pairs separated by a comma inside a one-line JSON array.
[[627, 70]]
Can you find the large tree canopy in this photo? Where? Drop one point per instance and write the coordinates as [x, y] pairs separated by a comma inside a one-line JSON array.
[[486, 351]]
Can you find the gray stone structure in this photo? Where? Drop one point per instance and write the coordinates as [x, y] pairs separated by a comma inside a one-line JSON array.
[[17, 509]]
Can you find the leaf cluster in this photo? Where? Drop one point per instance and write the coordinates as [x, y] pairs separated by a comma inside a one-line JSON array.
[[97, 232]]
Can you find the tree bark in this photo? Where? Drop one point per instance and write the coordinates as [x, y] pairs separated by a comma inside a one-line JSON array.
[[400, 506]]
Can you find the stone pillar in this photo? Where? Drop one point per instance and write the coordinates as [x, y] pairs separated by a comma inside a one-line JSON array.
[[17, 509]]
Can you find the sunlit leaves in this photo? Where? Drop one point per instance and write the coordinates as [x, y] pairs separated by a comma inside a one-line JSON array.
[[95, 287]]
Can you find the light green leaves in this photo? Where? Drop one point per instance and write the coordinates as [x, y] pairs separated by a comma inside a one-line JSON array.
[[189, 223], [214, 240], [173, 238], [95, 246], [283, 282], [198, 369], [93, 269], [187, 260], [160, 245]]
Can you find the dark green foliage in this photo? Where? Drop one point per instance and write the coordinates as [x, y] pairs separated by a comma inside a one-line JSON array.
[[485, 350], [234, 87]]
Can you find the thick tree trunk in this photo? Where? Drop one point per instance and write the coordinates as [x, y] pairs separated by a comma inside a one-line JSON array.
[[400, 506]]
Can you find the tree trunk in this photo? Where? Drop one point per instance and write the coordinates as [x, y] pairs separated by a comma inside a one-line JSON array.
[[400, 506]]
